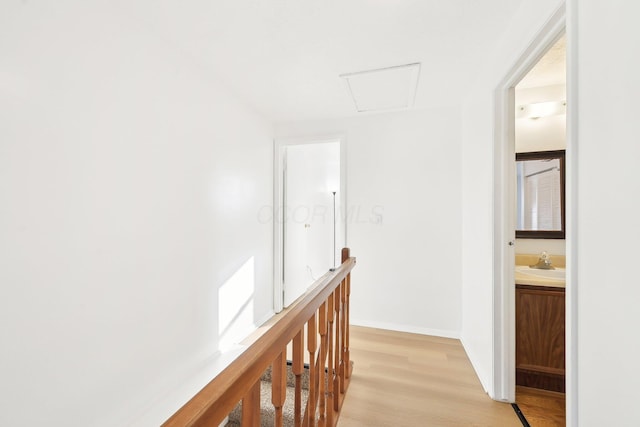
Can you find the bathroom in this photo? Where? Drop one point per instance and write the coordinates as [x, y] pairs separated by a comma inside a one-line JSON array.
[[540, 135]]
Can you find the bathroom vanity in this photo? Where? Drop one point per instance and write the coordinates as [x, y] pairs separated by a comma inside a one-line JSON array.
[[540, 331]]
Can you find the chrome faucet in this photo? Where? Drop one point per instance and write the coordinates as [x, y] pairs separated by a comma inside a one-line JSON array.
[[544, 262]]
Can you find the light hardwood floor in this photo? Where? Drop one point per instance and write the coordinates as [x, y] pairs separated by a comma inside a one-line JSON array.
[[402, 379]]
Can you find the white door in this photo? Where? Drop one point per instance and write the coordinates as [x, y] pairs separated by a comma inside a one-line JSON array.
[[311, 175]]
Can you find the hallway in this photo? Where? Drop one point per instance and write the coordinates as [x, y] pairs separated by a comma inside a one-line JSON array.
[[402, 379]]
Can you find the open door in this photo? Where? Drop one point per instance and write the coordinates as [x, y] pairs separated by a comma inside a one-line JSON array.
[[310, 220], [504, 381]]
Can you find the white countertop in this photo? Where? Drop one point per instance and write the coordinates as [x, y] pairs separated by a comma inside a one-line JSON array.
[[534, 280]]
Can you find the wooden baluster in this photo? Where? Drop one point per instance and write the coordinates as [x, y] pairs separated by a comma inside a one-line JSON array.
[[337, 351], [251, 407], [347, 355], [347, 308], [298, 369], [279, 385], [311, 347], [343, 335], [330, 377], [322, 329]]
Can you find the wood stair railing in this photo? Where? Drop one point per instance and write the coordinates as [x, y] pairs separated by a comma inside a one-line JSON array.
[[321, 319]]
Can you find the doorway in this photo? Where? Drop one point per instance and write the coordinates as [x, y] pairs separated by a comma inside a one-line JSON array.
[[540, 146], [309, 228], [505, 217]]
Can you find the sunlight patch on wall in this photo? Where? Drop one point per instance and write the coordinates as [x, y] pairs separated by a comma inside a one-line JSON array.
[[235, 306]]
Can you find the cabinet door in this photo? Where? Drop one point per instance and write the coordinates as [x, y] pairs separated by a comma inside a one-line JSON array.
[[540, 340]]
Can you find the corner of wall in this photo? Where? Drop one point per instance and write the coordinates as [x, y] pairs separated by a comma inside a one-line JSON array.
[[482, 375]]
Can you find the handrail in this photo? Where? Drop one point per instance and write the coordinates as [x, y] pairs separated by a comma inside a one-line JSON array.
[[328, 301]]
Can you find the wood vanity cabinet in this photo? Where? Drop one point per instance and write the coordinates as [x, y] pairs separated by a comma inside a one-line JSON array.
[[540, 341]]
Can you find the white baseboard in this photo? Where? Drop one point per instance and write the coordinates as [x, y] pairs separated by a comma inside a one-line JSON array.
[[406, 328]]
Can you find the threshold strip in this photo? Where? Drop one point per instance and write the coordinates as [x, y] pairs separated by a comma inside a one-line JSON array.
[[520, 415]]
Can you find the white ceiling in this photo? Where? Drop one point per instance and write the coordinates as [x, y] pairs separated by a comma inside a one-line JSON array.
[[284, 57], [550, 70]]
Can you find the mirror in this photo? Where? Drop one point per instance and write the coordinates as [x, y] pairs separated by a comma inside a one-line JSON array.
[[540, 195]]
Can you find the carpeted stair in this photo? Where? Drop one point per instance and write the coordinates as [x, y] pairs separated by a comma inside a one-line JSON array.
[[267, 412]]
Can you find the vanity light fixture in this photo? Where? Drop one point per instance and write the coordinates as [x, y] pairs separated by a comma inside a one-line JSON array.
[[541, 109], [391, 88]]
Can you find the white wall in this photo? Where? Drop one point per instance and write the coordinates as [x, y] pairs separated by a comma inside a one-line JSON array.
[[477, 186], [544, 133], [130, 184], [607, 212], [403, 216], [536, 246]]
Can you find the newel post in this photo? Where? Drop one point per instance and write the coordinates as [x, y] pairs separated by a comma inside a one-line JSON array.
[[346, 253]]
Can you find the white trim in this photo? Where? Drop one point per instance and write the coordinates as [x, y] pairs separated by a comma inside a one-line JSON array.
[[504, 207], [279, 146], [405, 328], [571, 194], [278, 167]]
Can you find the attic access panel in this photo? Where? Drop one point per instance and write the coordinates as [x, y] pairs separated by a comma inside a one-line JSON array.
[[389, 88]]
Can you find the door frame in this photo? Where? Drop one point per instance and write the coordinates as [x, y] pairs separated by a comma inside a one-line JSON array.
[[504, 212], [279, 151]]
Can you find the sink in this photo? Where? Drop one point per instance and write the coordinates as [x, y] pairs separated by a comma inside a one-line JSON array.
[[558, 273]]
